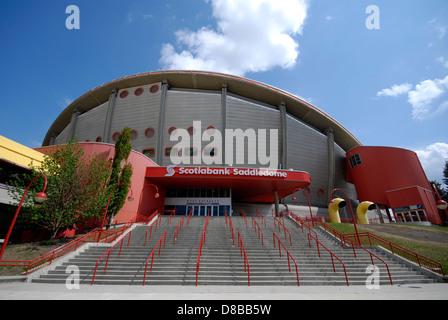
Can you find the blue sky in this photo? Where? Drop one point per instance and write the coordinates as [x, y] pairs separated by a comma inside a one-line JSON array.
[[388, 86]]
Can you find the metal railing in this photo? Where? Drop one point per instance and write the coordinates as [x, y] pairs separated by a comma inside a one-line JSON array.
[[245, 258], [152, 255], [201, 244], [244, 216], [263, 219], [258, 230], [178, 229], [318, 243], [284, 229], [288, 254], [96, 235], [108, 252], [156, 223], [371, 239]]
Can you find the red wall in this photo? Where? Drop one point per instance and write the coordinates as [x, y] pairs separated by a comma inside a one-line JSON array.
[[392, 177]]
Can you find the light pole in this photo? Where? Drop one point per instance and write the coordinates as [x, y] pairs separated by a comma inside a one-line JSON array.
[[131, 198], [39, 197], [351, 211], [157, 191], [306, 192]]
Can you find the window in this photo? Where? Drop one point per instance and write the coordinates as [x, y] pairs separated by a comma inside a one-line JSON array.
[[138, 92], [154, 89], [172, 130], [192, 152], [355, 160], [134, 134], [210, 152], [173, 151], [149, 133], [191, 131], [115, 136], [99, 139], [150, 153], [124, 94]]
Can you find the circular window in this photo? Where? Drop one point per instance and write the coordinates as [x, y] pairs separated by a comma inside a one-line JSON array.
[[124, 94], [172, 130], [210, 130], [115, 136], [138, 92], [154, 89], [149, 133], [134, 134], [191, 131], [99, 139]]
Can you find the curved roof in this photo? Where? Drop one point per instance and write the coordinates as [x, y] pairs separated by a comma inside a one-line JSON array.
[[211, 81]]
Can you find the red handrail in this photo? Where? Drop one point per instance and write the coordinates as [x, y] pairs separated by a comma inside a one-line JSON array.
[[108, 254], [93, 236], [178, 229], [408, 254], [189, 216], [331, 254], [232, 230], [343, 238], [263, 219], [353, 244], [245, 258], [203, 236], [244, 215], [170, 218], [156, 223], [198, 261], [258, 229], [288, 255], [284, 228], [152, 255]]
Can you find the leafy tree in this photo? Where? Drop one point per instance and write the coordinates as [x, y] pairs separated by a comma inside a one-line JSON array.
[[445, 175], [76, 189], [121, 173]]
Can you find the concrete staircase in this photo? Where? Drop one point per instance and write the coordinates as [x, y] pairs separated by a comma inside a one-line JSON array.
[[221, 262]]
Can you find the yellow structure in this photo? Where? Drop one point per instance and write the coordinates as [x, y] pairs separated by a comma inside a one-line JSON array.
[[333, 209], [361, 211], [18, 154]]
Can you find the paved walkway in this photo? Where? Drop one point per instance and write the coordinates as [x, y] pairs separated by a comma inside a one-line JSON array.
[[37, 291]]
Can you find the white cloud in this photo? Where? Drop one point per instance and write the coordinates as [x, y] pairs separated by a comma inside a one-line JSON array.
[[443, 61], [423, 96], [433, 159], [251, 36], [395, 90]]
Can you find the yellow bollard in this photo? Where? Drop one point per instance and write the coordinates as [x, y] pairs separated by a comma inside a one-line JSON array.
[[361, 211], [333, 209]]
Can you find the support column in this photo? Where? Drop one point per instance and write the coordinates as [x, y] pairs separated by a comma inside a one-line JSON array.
[[161, 133], [284, 132], [276, 203], [73, 120], [331, 162], [109, 116], [223, 120]]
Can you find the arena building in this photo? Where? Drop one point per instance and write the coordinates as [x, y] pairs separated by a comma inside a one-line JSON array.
[[249, 146]]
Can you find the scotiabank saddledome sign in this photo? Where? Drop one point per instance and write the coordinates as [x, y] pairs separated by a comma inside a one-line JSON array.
[[233, 172], [224, 172]]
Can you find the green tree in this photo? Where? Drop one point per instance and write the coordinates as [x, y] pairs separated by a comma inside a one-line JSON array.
[[121, 173], [76, 189]]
